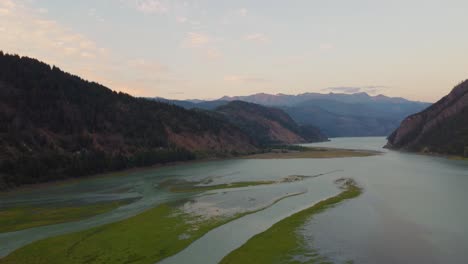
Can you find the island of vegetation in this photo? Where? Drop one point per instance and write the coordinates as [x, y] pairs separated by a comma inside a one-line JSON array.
[[144, 239], [282, 243], [301, 152], [23, 217]]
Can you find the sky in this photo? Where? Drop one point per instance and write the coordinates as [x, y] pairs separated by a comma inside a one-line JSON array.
[[185, 49]]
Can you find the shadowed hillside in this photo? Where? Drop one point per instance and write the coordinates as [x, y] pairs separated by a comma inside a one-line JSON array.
[[441, 128], [267, 125], [55, 125]]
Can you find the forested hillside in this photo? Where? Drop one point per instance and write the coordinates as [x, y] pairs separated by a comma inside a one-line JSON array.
[[55, 125]]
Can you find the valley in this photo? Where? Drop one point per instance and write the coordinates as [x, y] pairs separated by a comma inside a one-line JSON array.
[[233, 132]]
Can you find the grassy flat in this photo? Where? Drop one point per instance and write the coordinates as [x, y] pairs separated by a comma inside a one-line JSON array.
[[18, 218], [146, 238], [281, 242], [313, 153]]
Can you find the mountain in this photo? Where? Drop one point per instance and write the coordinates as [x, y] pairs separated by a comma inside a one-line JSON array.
[[192, 104], [55, 125], [342, 125], [366, 118], [267, 125], [341, 115], [336, 115], [441, 128], [291, 100]]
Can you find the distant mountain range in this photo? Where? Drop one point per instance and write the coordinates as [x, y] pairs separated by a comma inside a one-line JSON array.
[[441, 128], [336, 115], [55, 125]]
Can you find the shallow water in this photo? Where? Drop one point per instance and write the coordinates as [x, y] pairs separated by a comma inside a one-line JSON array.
[[144, 185], [413, 208]]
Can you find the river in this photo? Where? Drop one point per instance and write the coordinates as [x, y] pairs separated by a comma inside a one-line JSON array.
[[413, 209]]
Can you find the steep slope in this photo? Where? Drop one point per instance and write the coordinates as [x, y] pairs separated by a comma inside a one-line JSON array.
[[55, 125], [268, 125], [441, 128]]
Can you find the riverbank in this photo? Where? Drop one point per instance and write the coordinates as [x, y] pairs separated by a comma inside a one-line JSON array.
[[24, 217], [287, 152], [19, 217], [313, 153], [146, 238], [282, 243], [430, 154]]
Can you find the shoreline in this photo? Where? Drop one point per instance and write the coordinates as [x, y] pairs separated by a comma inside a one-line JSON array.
[[313, 151], [263, 247], [133, 224], [430, 154], [34, 186]]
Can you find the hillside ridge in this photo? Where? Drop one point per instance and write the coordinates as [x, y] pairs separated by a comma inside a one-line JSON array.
[[441, 128]]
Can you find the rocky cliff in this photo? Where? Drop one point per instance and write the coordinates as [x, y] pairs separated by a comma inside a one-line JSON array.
[[441, 128]]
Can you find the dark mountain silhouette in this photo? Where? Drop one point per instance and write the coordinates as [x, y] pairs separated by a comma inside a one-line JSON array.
[[441, 128], [55, 125]]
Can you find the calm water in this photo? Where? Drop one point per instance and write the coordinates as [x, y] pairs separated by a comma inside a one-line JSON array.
[[413, 209]]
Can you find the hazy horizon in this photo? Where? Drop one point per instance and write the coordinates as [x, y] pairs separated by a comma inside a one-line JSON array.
[[209, 49]]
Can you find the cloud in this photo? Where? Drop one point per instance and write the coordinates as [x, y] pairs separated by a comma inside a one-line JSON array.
[[92, 12], [243, 12], [213, 53], [148, 67], [234, 16], [371, 89], [28, 32], [87, 55], [202, 43], [257, 37], [181, 19], [326, 46], [148, 6], [43, 10], [197, 39], [7, 7], [244, 79]]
